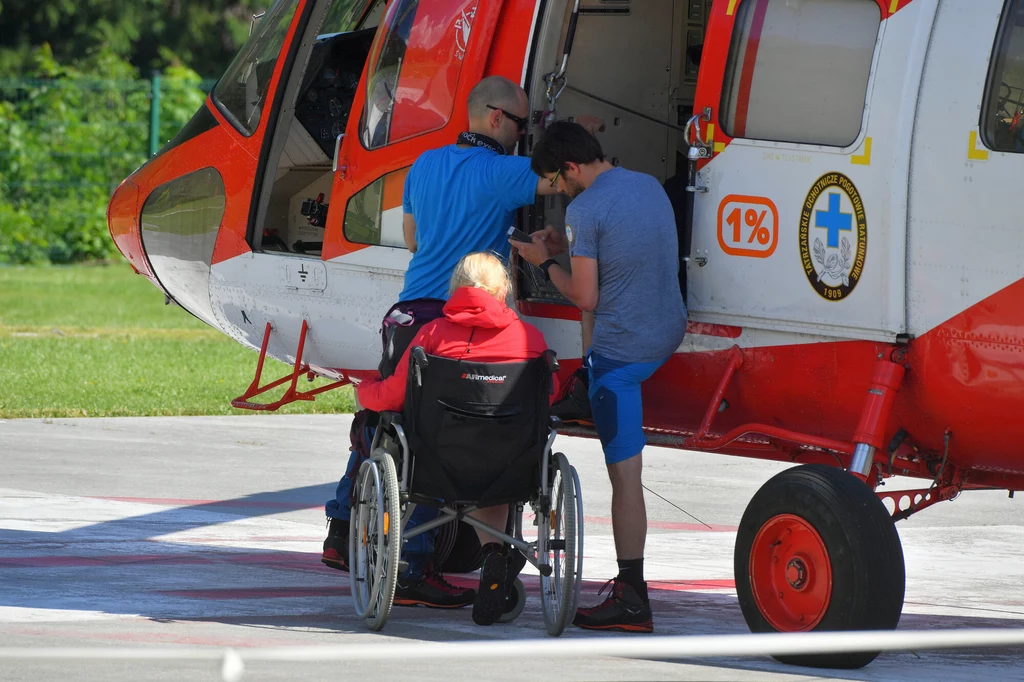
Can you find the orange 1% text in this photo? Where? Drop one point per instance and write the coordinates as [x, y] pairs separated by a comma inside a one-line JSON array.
[[748, 226]]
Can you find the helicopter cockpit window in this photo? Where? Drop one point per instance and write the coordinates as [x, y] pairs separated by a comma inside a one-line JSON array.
[[798, 71], [415, 64], [241, 92], [1003, 117]]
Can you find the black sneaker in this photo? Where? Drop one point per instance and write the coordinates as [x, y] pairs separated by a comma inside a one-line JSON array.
[[336, 545], [494, 585], [573, 405], [433, 591], [623, 610]]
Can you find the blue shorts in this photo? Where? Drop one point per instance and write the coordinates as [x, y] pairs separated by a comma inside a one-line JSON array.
[[616, 405]]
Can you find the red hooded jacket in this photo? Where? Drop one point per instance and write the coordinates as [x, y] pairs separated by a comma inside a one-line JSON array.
[[476, 326]]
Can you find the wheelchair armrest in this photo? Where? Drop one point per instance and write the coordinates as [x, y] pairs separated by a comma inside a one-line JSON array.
[[552, 360], [388, 418]]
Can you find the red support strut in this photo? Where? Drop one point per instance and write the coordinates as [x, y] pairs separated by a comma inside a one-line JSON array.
[[292, 394]]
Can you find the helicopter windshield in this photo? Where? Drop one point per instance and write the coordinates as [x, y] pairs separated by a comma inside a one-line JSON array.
[[240, 92]]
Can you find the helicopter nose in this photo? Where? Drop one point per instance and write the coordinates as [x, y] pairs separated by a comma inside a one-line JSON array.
[[123, 223]]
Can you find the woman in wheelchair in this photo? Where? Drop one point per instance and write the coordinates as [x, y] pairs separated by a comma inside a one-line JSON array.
[[477, 326]]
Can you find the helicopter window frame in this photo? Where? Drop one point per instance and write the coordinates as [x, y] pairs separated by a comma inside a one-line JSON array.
[[993, 102], [266, 43], [787, 101]]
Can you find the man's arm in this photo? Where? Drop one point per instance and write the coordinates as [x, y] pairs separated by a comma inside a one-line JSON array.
[[409, 231], [579, 286]]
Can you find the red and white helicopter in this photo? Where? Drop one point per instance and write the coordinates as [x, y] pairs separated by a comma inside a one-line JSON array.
[[852, 267]]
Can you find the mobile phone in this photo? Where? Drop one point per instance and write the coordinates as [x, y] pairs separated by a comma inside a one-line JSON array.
[[518, 235]]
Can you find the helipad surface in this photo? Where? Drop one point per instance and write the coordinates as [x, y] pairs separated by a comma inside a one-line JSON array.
[[206, 532]]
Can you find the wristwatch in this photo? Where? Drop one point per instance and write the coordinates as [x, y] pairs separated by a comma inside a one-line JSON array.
[[546, 265]]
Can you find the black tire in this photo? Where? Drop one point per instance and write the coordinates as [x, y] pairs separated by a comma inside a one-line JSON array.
[[864, 556]]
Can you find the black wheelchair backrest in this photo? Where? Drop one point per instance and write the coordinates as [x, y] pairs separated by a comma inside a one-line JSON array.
[[477, 430]]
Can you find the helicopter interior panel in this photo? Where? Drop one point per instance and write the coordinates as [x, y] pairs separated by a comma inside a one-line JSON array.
[[300, 196], [643, 89]]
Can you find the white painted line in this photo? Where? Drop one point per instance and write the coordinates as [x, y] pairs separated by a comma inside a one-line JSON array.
[[682, 647]]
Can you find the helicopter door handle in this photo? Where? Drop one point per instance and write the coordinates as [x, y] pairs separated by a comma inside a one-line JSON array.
[[337, 154]]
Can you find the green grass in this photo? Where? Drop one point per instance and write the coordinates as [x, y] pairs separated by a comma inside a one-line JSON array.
[[98, 341]]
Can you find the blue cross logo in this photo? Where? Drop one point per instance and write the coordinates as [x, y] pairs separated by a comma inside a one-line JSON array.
[[833, 220]]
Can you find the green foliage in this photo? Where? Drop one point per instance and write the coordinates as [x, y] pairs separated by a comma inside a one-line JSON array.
[[149, 34], [98, 341], [70, 138]]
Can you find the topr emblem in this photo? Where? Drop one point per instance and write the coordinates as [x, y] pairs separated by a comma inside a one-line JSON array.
[[833, 236]]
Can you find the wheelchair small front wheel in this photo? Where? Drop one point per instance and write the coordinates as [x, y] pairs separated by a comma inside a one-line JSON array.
[[375, 531], [560, 544], [514, 602]]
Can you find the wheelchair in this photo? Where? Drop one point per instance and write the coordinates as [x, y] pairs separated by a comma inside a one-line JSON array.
[[471, 435]]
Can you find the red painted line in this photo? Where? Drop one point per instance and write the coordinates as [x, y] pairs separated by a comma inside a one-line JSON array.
[[290, 560], [531, 582], [669, 525], [749, 61]]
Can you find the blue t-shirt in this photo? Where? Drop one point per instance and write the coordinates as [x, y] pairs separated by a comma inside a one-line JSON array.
[[463, 200], [624, 220]]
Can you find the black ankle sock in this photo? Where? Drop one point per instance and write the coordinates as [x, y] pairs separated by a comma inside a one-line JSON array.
[[631, 572]]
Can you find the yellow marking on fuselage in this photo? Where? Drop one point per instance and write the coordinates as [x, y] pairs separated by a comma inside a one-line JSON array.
[[973, 153], [865, 158]]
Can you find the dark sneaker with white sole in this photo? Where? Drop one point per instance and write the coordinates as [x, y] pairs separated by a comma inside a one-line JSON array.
[[336, 545], [624, 610]]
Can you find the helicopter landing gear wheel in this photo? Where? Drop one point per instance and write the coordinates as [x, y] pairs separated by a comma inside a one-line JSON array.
[[375, 536], [817, 550]]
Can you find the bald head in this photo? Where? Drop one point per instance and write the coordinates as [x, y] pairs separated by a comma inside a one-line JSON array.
[[497, 91], [490, 101]]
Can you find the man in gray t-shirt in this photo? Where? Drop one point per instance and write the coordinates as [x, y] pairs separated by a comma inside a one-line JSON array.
[[622, 241]]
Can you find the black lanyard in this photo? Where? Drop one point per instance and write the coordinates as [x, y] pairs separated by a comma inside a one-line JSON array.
[[478, 140]]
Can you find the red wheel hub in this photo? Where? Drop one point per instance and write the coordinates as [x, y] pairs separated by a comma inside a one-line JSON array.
[[790, 573]]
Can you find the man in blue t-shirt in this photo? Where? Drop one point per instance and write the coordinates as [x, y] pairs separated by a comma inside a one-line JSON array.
[[458, 199], [623, 245]]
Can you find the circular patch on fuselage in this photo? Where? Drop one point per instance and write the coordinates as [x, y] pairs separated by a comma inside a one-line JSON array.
[[833, 236]]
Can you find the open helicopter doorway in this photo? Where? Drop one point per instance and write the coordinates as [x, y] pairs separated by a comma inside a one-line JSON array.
[[296, 192], [634, 64]]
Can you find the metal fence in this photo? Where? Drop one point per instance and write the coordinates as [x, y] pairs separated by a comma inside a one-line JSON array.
[[65, 144]]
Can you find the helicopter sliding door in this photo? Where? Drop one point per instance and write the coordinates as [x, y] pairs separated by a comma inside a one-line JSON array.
[[800, 213]]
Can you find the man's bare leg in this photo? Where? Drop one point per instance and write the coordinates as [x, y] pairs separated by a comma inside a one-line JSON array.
[[496, 517], [629, 512]]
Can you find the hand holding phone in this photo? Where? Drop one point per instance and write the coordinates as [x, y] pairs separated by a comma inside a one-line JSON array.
[[519, 235]]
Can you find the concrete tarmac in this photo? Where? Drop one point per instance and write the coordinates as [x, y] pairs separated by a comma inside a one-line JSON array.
[[206, 532]]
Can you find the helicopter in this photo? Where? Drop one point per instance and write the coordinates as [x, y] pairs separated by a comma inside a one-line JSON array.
[[841, 172]]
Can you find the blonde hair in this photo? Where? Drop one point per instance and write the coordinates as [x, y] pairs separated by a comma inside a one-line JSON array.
[[481, 271]]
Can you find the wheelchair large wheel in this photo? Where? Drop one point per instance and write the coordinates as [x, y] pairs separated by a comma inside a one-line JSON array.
[[375, 537], [560, 537]]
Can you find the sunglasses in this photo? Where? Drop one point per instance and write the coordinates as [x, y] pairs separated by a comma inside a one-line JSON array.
[[518, 120]]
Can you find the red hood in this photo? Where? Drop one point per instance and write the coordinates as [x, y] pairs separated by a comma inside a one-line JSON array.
[[471, 307]]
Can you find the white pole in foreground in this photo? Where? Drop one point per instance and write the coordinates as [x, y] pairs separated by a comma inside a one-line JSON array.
[[684, 647]]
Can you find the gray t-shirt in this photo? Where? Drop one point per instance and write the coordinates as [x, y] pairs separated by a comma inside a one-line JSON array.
[[624, 220]]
